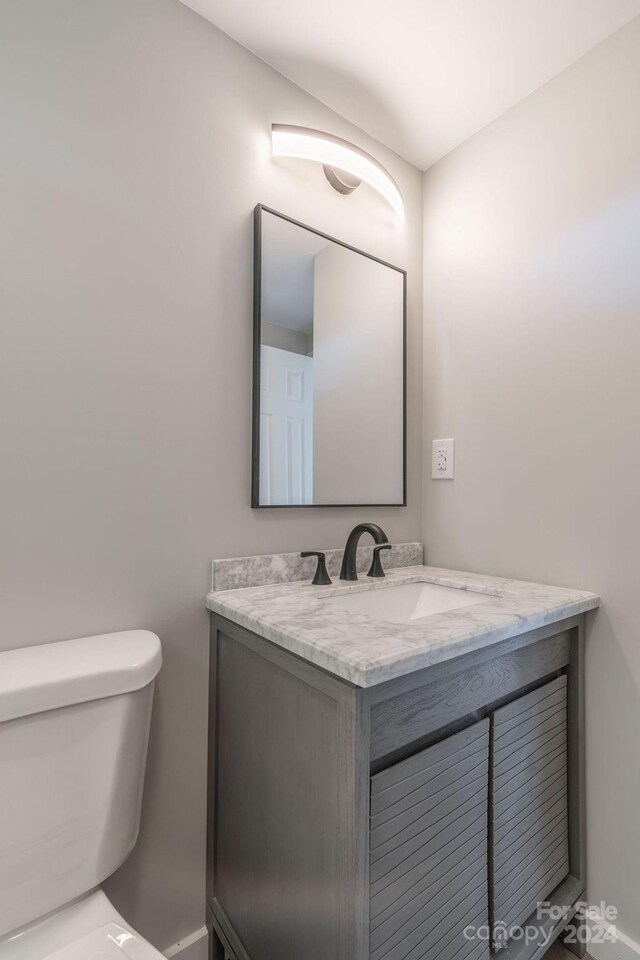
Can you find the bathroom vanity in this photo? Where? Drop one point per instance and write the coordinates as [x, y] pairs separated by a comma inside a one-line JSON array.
[[396, 765]]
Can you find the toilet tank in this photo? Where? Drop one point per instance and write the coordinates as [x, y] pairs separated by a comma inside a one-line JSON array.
[[74, 727]]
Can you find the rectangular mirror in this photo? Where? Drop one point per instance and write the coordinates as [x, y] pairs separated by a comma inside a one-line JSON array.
[[329, 406]]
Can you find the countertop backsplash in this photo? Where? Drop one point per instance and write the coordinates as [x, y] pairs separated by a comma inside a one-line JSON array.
[[260, 571]]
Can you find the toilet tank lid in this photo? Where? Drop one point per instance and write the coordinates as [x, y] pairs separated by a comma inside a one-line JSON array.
[[52, 675]]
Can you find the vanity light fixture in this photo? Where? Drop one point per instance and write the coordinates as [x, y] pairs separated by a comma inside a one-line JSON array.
[[345, 165]]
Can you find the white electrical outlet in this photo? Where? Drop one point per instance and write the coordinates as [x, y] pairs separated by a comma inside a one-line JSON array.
[[442, 454]]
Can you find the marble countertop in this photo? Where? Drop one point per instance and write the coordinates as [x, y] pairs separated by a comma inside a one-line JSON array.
[[367, 651]]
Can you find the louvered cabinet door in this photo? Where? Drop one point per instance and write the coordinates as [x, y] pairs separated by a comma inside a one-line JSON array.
[[529, 813], [428, 852]]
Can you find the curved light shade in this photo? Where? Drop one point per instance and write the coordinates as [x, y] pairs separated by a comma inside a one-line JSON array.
[[306, 144]]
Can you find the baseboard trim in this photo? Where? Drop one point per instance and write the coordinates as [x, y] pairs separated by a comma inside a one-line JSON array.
[[196, 945], [623, 948], [193, 947]]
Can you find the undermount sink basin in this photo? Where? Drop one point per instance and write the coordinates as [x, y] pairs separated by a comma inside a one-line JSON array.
[[408, 601]]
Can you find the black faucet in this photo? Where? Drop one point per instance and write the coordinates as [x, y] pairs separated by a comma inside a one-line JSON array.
[[321, 577], [348, 570]]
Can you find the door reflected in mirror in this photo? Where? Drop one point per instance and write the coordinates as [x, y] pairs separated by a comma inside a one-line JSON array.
[[329, 371]]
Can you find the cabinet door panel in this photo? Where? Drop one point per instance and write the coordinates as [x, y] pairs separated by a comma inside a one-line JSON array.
[[400, 784], [419, 887], [529, 849], [429, 823], [408, 862], [529, 836], [398, 833], [540, 785], [539, 769]]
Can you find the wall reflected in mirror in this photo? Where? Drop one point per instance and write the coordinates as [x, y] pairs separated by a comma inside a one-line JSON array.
[[329, 371]]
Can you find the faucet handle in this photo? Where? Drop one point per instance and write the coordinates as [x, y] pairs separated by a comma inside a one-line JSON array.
[[375, 570], [321, 578]]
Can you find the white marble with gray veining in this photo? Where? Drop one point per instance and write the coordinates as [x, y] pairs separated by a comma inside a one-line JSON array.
[[259, 571], [366, 651]]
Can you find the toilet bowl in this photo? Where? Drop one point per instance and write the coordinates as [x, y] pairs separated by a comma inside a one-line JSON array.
[[90, 929], [74, 727]]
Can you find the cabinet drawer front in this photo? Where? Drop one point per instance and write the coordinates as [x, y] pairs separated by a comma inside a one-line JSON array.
[[529, 813], [428, 850], [458, 691]]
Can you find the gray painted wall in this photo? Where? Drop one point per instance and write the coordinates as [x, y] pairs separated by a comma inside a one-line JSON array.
[[135, 143], [532, 348]]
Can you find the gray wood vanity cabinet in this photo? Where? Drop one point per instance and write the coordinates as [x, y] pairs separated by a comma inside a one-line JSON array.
[[383, 823]]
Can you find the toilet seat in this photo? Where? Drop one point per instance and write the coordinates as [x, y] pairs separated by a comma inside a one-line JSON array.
[[88, 929]]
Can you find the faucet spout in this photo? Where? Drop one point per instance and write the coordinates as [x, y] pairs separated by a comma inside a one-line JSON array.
[[348, 570]]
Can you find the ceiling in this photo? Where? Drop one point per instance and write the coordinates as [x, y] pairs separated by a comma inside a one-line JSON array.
[[421, 76]]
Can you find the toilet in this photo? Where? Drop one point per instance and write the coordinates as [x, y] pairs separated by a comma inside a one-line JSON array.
[[74, 728]]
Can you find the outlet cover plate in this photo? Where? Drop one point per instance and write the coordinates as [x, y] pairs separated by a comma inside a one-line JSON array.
[[442, 459]]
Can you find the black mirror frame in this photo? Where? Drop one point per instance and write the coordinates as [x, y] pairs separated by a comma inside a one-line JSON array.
[[257, 340]]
